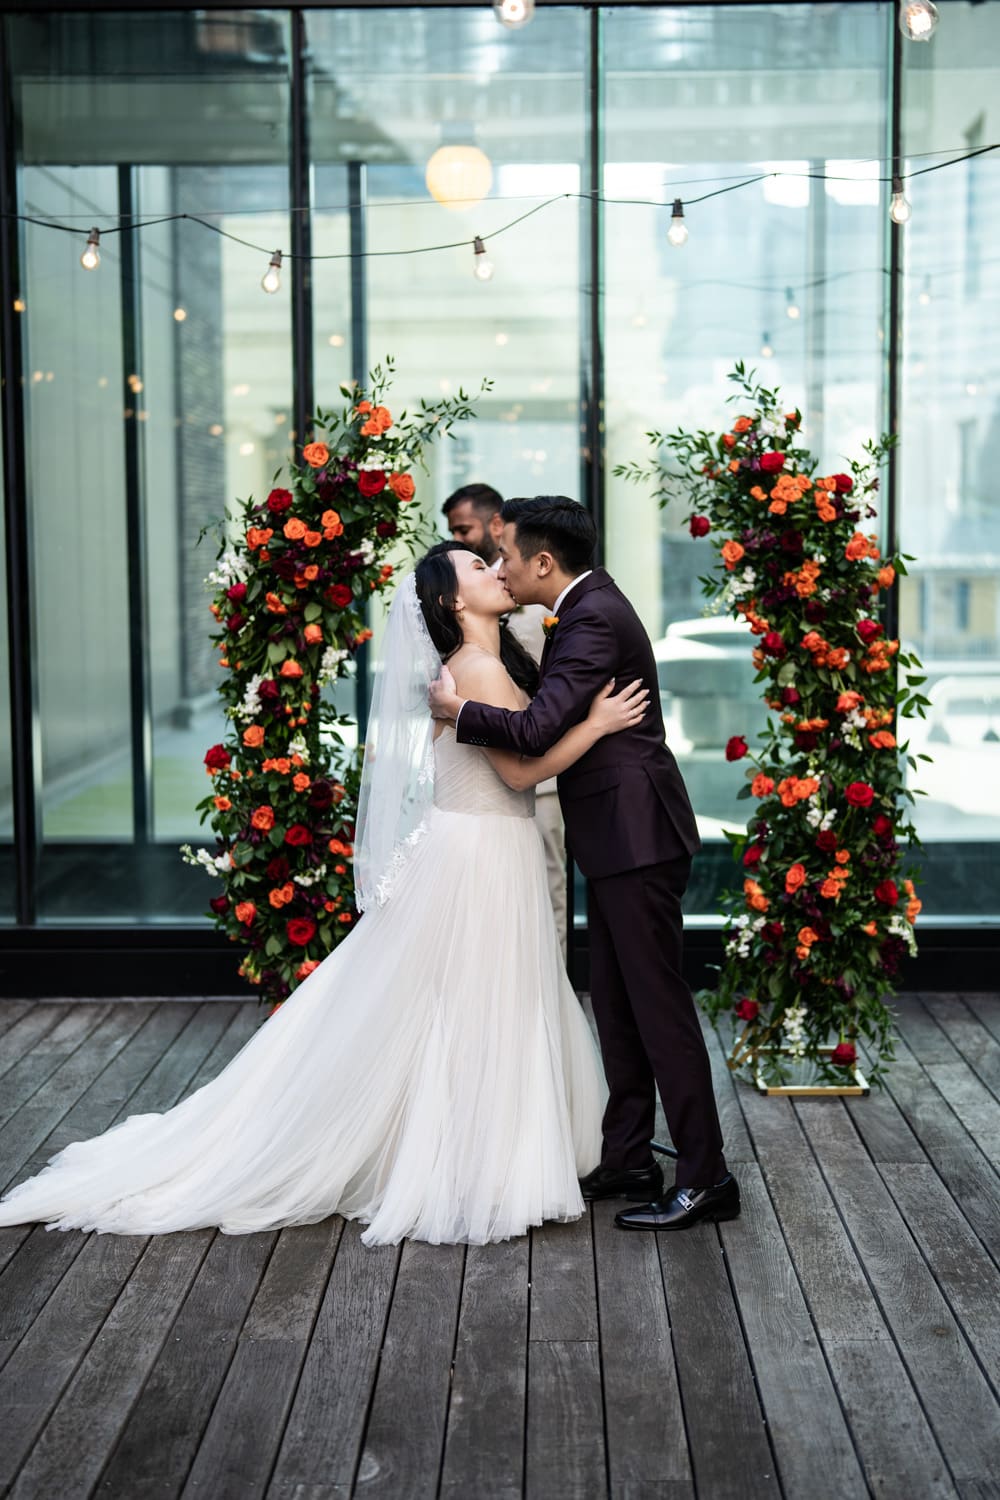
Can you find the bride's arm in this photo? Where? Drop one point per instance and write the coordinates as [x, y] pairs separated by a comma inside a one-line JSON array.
[[487, 682]]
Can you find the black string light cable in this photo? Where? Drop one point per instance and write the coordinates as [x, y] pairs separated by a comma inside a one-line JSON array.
[[677, 235]]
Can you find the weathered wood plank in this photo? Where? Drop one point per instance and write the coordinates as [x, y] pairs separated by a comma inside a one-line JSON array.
[[484, 1444], [405, 1437], [71, 1451], [45, 1360], [795, 1385], [238, 1449], [736, 1142], [727, 1436], [11, 1012], [563, 1294], [22, 1029], [967, 1034], [644, 1420], [36, 1067], [565, 1437], [160, 1435], [956, 1397]]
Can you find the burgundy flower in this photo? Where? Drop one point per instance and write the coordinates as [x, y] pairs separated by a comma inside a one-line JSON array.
[[772, 932], [752, 855], [887, 892], [386, 528], [237, 593], [747, 1010], [806, 739], [881, 826], [790, 696], [218, 758], [268, 691], [869, 629], [298, 835], [773, 644], [826, 840], [321, 795], [235, 623], [844, 1055], [700, 526], [219, 904], [844, 483], [736, 747], [791, 541], [278, 501], [339, 595], [814, 611], [278, 869], [285, 568]]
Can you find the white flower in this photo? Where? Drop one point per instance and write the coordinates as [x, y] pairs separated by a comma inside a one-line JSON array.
[[814, 817], [829, 819], [772, 427], [211, 864], [227, 571], [328, 666], [311, 876], [376, 459], [251, 705], [298, 746]]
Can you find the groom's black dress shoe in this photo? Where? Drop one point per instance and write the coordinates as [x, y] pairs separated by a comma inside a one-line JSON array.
[[639, 1184], [685, 1206]]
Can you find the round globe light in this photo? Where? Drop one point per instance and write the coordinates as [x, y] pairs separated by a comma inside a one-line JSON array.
[[459, 177]]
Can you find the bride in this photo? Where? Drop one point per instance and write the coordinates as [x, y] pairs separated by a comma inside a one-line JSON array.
[[435, 1076]]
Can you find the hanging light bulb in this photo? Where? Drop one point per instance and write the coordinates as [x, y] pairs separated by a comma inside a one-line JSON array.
[[918, 19], [91, 257], [271, 279], [792, 307], [482, 266], [925, 293], [766, 348], [899, 208], [459, 176], [678, 232], [514, 13]]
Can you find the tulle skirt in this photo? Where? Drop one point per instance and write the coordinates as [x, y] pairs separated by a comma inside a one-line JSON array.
[[434, 1078]]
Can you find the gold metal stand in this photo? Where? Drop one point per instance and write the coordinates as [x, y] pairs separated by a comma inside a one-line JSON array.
[[858, 1088]]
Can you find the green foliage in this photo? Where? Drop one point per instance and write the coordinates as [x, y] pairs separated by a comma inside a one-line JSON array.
[[815, 936], [291, 584]]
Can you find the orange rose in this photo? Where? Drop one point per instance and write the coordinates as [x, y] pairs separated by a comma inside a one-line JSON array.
[[329, 518], [362, 407], [913, 908], [345, 917], [857, 547], [742, 424], [301, 782], [402, 487], [795, 878], [275, 605], [294, 529], [758, 493], [848, 702], [383, 416], [305, 969], [734, 466], [263, 818], [310, 573], [838, 657], [337, 846], [313, 538], [254, 736], [886, 576], [731, 554], [871, 929], [370, 428], [728, 440], [807, 937], [761, 786], [259, 536], [245, 912], [313, 634], [830, 889], [315, 454], [756, 899], [222, 803], [290, 668], [882, 740]]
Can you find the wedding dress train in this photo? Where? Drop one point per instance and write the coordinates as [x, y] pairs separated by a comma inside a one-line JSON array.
[[435, 1077]]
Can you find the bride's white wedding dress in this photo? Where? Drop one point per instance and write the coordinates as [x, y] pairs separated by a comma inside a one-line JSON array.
[[435, 1077]]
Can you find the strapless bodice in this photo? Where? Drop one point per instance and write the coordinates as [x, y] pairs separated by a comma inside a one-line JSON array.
[[465, 782]]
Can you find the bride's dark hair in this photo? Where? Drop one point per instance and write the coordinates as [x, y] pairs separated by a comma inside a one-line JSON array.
[[437, 589]]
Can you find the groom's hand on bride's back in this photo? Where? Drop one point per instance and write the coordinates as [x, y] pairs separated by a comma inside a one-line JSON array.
[[442, 697]]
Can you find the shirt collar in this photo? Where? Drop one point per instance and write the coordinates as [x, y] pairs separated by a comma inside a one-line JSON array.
[[571, 585]]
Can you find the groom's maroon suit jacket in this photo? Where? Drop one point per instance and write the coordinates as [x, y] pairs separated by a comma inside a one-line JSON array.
[[624, 802]]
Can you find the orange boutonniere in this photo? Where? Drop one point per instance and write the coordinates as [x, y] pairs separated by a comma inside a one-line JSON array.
[[549, 625]]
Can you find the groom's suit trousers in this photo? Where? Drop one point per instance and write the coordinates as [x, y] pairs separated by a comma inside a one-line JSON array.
[[648, 1024]]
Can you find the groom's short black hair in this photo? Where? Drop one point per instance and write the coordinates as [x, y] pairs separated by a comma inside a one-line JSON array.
[[556, 524]]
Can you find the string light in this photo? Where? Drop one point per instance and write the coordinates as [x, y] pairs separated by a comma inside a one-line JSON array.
[[482, 266], [925, 293], [766, 350], [792, 308], [91, 257], [514, 13], [459, 176], [271, 279], [918, 19], [678, 232], [899, 208]]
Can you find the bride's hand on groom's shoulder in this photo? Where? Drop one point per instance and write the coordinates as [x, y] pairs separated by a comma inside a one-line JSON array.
[[442, 697], [611, 712]]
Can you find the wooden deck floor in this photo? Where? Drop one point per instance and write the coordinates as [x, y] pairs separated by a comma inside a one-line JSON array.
[[841, 1339]]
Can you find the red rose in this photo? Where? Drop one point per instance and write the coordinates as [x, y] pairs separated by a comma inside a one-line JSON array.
[[300, 930], [278, 501], [806, 739], [237, 593], [772, 462], [235, 623], [298, 835], [772, 932], [827, 841], [736, 747], [386, 528], [268, 691], [844, 483], [845, 1054], [339, 595], [278, 869], [747, 1010], [868, 630], [790, 695], [886, 892], [700, 526], [217, 758], [371, 482], [773, 643], [219, 904], [814, 611], [881, 826], [753, 854], [859, 794]]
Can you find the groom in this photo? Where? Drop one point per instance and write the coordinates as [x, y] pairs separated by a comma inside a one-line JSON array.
[[630, 827]]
